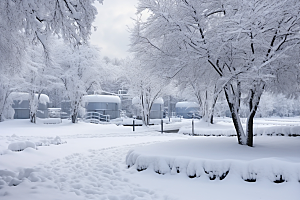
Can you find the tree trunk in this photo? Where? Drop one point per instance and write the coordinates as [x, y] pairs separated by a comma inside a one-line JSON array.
[[254, 99], [212, 110], [249, 129], [232, 103], [32, 117], [74, 118]]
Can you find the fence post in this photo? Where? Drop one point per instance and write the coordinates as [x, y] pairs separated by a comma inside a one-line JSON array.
[[193, 127], [162, 126], [133, 122]]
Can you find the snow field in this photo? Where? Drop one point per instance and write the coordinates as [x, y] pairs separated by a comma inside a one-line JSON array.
[[97, 174], [224, 127], [93, 165]]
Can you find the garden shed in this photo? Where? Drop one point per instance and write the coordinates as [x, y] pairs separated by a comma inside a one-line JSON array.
[[21, 105], [187, 109], [103, 104]]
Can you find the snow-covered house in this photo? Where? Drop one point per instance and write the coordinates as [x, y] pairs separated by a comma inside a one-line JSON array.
[[187, 109], [103, 104], [21, 105]]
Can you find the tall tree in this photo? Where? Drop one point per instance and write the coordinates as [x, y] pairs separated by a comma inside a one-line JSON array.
[[240, 40]]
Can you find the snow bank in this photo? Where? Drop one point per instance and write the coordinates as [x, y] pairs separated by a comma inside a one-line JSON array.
[[187, 104], [220, 160], [102, 98], [278, 131], [49, 121], [20, 146]]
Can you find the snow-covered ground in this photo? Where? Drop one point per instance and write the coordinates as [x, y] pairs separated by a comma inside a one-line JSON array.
[[88, 161]]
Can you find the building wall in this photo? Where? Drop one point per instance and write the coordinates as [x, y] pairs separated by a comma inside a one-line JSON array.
[[185, 112], [156, 111], [22, 110], [105, 108]]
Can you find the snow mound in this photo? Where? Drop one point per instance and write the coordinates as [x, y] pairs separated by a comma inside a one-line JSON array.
[[47, 142], [49, 121], [177, 157], [20, 146]]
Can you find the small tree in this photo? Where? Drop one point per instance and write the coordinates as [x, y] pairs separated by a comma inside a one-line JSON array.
[[145, 84]]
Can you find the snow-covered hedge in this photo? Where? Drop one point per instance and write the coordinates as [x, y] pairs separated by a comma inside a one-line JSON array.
[[21, 145], [274, 170]]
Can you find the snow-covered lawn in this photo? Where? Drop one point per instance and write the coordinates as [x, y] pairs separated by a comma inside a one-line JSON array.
[[88, 161]]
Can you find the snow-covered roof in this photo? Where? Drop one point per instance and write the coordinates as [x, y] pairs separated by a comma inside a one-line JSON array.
[[159, 101], [22, 96], [102, 98], [187, 104], [136, 100]]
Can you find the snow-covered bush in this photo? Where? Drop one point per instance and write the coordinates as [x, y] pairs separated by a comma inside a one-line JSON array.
[[20, 146]]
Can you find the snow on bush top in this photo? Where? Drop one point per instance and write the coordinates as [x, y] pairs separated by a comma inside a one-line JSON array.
[[135, 100], [187, 104], [102, 98], [20, 146], [44, 99]]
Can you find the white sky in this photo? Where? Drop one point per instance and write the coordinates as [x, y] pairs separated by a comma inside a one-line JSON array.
[[112, 22]]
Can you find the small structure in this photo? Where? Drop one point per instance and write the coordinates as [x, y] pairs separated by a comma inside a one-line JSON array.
[[21, 105], [65, 112], [103, 104], [156, 111], [187, 109]]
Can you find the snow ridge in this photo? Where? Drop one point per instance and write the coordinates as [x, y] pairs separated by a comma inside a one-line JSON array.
[[272, 169]]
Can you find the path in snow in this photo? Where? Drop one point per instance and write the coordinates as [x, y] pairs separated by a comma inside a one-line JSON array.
[[97, 174]]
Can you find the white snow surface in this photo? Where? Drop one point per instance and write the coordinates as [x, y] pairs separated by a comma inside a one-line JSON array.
[[187, 104], [88, 161], [102, 98]]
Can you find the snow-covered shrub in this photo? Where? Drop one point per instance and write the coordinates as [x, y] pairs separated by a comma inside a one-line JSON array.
[[20, 146]]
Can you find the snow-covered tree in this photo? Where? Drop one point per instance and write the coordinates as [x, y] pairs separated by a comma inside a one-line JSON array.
[[26, 23], [145, 84], [82, 71], [39, 76], [241, 40]]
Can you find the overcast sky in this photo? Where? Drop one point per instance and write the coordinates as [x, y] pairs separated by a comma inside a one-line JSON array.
[[112, 22]]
